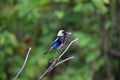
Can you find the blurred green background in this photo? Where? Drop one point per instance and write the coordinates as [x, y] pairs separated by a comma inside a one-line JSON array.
[[35, 23]]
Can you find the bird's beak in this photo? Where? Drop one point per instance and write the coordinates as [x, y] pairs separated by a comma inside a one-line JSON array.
[[67, 33]]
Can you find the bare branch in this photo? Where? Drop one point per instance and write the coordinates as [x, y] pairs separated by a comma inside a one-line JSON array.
[[50, 68], [114, 52], [64, 61], [68, 47], [63, 50], [21, 69]]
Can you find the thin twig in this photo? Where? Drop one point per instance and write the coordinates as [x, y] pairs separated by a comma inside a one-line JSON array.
[[68, 47], [64, 61], [21, 69]]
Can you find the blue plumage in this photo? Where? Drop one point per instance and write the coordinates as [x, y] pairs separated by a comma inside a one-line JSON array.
[[58, 42]]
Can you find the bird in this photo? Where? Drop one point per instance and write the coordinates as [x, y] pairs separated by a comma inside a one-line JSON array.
[[58, 42]]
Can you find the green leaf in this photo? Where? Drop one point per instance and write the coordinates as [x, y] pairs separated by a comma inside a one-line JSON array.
[[86, 8], [9, 50], [3, 75], [107, 25], [59, 14], [92, 56], [99, 63], [84, 38], [65, 1], [78, 7], [100, 6], [11, 38], [2, 39], [2, 57]]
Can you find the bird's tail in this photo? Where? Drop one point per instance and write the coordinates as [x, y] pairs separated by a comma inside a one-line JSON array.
[[47, 51]]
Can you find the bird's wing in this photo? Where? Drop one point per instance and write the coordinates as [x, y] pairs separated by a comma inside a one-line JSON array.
[[55, 40], [52, 45]]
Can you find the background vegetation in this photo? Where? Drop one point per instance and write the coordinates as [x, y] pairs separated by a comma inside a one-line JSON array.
[[25, 23]]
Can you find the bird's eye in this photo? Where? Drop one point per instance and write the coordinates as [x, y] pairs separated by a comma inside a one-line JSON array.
[[63, 32]]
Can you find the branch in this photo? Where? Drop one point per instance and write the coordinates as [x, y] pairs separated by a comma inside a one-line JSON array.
[[55, 60], [21, 69], [68, 47], [63, 50], [114, 52], [64, 61]]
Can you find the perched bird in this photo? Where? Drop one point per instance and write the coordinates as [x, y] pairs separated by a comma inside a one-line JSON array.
[[58, 42]]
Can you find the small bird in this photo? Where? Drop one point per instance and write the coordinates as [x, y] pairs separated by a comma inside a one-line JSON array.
[[58, 42]]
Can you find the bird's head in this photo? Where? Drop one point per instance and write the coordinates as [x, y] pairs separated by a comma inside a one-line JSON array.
[[61, 33]]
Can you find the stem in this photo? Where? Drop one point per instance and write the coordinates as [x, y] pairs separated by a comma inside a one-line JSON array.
[[21, 69], [68, 47], [64, 61], [60, 54]]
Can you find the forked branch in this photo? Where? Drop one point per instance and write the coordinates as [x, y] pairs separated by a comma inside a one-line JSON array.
[[60, 54]]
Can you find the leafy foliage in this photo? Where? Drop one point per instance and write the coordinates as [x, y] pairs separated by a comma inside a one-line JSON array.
[[25, 23]]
